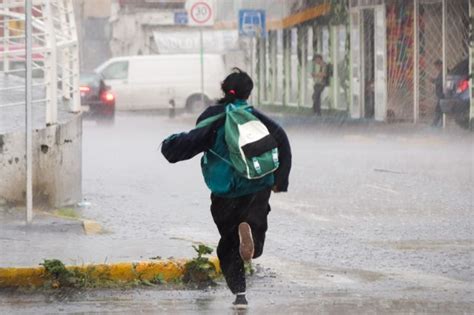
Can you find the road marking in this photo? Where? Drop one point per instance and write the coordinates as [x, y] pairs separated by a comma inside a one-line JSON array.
[[383, 189], [381, 170]]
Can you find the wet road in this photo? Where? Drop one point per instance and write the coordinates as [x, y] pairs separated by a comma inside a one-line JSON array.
[[378, 219]]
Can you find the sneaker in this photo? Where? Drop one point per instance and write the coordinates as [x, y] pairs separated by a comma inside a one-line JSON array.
[[240, 302], [246, 247]]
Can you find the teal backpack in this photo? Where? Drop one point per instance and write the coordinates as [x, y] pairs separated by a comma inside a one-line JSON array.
[[253, 152]]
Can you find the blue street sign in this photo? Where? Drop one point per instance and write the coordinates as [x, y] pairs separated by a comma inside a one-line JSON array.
[[181, 18], [252, 22]]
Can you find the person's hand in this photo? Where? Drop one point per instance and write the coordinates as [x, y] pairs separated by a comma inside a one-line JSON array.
[[275, 189]]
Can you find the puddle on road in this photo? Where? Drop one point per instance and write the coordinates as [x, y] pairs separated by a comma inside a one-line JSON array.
[[312, 275]]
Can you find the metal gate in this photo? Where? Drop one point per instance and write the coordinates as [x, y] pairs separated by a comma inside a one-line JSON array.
[[442, 35], [380, 47], [355, 109], [369, 60]]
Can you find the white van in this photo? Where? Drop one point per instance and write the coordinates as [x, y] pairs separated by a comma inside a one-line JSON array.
[[151, 82]]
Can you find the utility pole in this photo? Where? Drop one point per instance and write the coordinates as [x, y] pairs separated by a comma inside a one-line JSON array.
[[28, 109]]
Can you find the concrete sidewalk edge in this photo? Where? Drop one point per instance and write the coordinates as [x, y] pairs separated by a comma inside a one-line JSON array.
[[167, 270]]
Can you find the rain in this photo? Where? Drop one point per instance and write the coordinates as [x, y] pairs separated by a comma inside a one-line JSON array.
[[369, 105]]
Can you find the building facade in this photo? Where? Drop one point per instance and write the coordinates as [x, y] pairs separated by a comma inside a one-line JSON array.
[[382, 53]]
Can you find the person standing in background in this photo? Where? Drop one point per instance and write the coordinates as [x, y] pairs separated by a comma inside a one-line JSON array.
[[438, 82], [320, 77]]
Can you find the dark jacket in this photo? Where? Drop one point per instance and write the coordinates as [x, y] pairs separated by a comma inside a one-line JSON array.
[[184, 146]]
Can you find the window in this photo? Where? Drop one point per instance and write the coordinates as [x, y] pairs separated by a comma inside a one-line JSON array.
[[116, 71], [90, 79]]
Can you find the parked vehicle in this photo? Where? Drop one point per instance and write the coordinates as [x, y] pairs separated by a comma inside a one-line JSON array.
[[456, 99], [156, 81], [96, 97]]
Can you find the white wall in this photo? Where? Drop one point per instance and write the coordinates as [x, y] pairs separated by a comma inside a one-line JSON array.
[[57, 169]]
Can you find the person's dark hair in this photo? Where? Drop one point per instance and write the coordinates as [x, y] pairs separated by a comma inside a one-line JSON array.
[[237, 85], [318, 56], [438, 62]]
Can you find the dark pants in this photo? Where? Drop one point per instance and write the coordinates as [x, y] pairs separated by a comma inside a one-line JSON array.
[[317, 90], [437, 115], [228, 213]]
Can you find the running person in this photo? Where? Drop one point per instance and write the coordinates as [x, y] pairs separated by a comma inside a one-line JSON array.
[[239, 206]]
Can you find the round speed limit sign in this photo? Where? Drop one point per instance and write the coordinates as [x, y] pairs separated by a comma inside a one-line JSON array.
[[201, 12]]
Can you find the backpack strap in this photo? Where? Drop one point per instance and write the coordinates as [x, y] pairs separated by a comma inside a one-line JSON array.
[[212, 119], [230, 107], [208, 121]]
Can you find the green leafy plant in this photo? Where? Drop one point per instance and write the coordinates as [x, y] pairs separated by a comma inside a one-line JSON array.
[[59, 276], [200, 270], [158, 279], [249, 270]]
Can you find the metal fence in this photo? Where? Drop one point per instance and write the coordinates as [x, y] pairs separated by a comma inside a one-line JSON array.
[[55, 64]]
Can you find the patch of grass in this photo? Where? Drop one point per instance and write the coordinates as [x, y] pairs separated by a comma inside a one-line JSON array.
[[57, 276], [199, 272], [67, 213]]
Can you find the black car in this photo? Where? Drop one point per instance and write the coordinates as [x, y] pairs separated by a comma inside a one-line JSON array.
[[97, 100], [456, 100]]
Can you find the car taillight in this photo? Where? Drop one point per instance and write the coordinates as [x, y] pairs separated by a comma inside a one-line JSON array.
[[462, 86], [108, 97], [85, 89]]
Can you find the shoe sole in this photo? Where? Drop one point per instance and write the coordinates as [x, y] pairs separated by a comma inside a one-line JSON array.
[[240, 307], [246, 247]]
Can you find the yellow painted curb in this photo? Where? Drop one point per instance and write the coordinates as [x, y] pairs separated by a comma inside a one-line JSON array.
[[118, 272], [21, 277]]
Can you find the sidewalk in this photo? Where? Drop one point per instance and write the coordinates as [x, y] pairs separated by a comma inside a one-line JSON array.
[[65, 239], [53, 236], [334, 119]]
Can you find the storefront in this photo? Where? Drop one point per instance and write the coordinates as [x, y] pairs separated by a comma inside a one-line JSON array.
[[369, 60], [394, 45], [285, 60], [382, 53]]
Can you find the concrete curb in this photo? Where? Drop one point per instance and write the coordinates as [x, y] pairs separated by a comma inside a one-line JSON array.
[[168, 270], [90, 227]]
